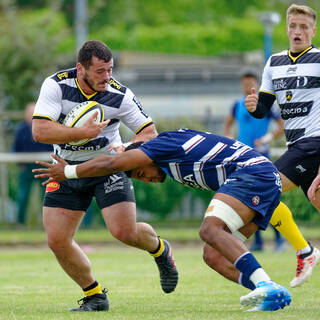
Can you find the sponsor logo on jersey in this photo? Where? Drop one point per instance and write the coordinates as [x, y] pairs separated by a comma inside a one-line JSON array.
[[62, 75], [292, 70], [302, 81], [52, 186], [93, 145], [289, 95], [296, 109], [255, 200], [115, 84], [280, 84]]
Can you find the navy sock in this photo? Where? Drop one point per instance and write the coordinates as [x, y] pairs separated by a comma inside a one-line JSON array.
[[247, 264], [246, 282]]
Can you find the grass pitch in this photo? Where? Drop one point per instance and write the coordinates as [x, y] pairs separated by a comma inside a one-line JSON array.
[[33, 286]]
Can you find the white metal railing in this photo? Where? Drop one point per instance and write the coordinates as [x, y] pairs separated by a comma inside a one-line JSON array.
[[30, 157]]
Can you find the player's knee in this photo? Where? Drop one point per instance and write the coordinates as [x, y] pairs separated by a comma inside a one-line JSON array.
[[56, 243], [124, 235], [211, 257], [208, 230]]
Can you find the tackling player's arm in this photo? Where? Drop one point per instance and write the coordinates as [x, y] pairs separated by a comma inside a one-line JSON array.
[[51, 132], [96, 167]]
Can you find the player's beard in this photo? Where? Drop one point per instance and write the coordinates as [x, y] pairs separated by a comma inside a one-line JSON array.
[[90, 84]]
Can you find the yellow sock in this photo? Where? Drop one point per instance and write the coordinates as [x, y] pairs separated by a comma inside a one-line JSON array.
[[283, 221], [95, 288], [159, 250]]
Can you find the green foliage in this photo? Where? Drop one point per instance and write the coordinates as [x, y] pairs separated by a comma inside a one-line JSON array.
[[301, 208], [27, 55]]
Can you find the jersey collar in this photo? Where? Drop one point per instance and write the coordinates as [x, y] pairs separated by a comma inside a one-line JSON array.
[[294, 59], [86, 95]]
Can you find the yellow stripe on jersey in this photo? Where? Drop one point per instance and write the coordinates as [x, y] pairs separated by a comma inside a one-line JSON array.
[[267, 92], [143, 126], [295, 58], [86, 95], [37, 116]]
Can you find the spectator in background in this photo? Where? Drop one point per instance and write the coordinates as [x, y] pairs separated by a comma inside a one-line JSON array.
[[24, 142], [254, 133]]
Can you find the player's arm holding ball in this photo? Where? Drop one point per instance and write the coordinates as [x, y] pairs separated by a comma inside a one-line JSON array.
[[55, 133], [45, 127]]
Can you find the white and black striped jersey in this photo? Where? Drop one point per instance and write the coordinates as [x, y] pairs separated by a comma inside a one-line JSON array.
[[295, 82], [61, 92]]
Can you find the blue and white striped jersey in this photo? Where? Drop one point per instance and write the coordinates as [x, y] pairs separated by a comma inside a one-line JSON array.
[[295, 82], [61, 92], [202, 160]]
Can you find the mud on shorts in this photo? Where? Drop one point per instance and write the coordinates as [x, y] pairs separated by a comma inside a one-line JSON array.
[[300, 163], [76, 194]]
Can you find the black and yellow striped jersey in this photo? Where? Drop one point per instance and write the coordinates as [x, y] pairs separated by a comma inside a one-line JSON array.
[[294, 80]]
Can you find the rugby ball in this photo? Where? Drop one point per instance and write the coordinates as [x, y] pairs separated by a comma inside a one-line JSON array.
[[80, 114]]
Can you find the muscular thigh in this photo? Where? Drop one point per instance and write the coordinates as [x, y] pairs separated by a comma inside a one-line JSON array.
[[120, 216], [61, 223]]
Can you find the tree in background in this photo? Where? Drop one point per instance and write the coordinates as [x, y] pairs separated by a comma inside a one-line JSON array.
[[29, 51]]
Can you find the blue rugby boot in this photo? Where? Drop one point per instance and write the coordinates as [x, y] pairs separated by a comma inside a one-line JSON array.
[[267, 296]]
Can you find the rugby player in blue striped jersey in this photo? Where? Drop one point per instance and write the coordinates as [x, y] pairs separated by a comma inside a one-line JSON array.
[[247, 185]]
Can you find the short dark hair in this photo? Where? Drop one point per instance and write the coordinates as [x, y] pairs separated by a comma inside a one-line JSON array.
[[93, 48], [249, 74]]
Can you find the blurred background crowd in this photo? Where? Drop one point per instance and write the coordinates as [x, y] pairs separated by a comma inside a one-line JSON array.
[[183, 59]]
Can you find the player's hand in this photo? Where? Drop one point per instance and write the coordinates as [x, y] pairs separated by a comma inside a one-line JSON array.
[[116, 148], [52, 171], [315, 185], [251, 101], [91, 128]]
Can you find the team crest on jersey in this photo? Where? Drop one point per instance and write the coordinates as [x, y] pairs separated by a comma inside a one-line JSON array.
[[289, 95], [53, 186], [255, 200]]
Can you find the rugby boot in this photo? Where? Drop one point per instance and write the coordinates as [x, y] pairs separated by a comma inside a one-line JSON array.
[[96, 302], [306, 263], [267, 296], [167, 269]]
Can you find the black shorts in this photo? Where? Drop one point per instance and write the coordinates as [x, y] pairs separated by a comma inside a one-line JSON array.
[[300, 163], [76, 194]]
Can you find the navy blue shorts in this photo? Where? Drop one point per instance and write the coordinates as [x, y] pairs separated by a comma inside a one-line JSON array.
[[77, 194], [300, 163], [259, 191]]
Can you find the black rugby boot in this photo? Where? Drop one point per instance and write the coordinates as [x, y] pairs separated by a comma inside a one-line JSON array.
[[167, 269], [96, 302]]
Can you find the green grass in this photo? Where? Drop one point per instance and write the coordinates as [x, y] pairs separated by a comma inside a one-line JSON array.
[[178, 232], [33, 286]]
